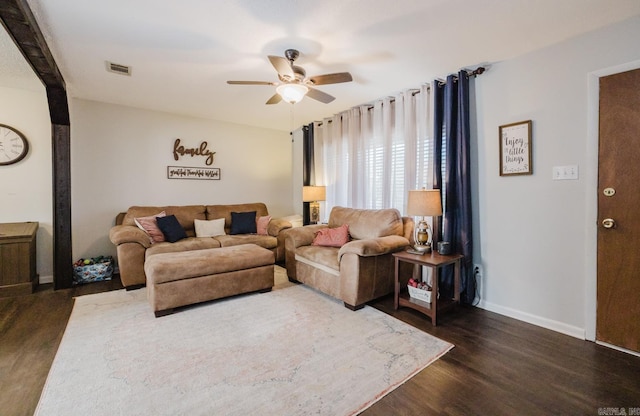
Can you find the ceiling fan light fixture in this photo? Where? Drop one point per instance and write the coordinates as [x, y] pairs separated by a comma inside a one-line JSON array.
[[292, 93]]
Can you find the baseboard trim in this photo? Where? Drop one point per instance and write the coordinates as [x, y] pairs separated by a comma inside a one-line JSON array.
[[45, 279], [615, 347], [557, 326]]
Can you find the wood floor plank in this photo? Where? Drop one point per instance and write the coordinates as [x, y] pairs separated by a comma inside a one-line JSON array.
[[499, 366]]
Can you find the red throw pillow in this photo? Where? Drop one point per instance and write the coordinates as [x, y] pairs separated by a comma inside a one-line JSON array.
[[150, 226], [332, 237], [262, 223]]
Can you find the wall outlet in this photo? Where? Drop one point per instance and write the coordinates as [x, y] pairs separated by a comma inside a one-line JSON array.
[[477, 271]]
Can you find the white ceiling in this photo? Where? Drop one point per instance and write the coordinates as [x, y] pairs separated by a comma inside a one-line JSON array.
[[183, 52]]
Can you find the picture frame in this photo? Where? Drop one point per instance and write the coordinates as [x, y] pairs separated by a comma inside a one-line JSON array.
[[515, 148]]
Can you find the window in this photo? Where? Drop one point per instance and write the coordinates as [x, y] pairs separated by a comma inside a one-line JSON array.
[[372, 156]]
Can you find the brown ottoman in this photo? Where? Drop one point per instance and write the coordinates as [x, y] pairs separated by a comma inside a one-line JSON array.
[[185, 278]]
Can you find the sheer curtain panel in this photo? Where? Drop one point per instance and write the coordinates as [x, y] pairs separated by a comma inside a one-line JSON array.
[[371, 156]]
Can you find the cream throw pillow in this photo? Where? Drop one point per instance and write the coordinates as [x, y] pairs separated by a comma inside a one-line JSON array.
[[210, 228]]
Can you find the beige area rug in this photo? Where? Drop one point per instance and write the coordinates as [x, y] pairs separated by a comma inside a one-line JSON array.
[[292, 351]]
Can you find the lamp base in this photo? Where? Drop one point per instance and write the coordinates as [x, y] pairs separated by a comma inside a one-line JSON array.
[[314, 212], [420, 248]]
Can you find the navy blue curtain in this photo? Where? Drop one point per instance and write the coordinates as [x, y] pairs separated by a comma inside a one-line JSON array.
[[308, 167], [452, 174]]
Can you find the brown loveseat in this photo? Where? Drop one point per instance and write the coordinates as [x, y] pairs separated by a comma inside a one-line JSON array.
[[360, 270], [133, 245]]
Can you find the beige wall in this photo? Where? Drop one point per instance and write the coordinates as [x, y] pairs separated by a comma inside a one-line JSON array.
[[25, 187], [535, 236], [120, 157]]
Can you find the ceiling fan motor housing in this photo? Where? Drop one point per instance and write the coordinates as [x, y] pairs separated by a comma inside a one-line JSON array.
[[294, 83], [291, 55], [299, 72]]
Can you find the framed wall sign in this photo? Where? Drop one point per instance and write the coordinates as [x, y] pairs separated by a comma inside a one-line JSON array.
[[183, 172], [515, 149]]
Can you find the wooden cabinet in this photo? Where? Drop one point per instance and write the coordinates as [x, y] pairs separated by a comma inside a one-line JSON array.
[[18, 274]]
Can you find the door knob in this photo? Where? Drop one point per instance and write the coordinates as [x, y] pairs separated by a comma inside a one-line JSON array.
[[608, 223]]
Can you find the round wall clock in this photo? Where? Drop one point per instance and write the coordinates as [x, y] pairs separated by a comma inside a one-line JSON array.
[[13, 145]]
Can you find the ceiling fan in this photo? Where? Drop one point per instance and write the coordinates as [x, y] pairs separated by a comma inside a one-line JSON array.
[[294, 84]]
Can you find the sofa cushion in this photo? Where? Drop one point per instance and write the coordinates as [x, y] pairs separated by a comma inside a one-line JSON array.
[[150, 226], [262, 223], [321, 257], [367, 223], [171, 228], [332, 237], [243, 223], [187, 244], [209, 228], [265, 241]]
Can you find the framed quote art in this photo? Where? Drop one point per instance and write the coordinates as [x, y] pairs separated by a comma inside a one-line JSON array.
[[515, 149]]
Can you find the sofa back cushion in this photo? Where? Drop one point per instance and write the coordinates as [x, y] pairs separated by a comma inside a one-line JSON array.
[[367, 223], [224, 211], [185, 214]]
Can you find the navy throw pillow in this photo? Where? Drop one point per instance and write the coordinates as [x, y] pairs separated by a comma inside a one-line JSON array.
[[171, 228], [243, 223]]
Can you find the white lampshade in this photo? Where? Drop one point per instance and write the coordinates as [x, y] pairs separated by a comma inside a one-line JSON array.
[[314, 193], [292, 93], [424, 203]]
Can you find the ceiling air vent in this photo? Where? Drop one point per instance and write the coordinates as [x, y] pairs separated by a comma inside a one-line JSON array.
[[118, 69]]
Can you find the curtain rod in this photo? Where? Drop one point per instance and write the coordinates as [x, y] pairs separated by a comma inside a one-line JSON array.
[[478, 71], [474, 73]]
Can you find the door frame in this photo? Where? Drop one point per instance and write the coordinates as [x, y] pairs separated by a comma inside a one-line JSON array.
[[591, 183]]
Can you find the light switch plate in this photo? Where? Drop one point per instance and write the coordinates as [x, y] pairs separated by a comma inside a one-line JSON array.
[[563, 173]]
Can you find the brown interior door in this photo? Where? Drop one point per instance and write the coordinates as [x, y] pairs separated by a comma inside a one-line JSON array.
[[618, 296]]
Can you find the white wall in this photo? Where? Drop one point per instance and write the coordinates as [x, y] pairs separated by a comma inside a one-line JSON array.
[[120, 157], [25, 187], [535, 235]]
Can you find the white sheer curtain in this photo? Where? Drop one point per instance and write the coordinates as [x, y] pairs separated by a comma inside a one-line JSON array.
[[371, 156]]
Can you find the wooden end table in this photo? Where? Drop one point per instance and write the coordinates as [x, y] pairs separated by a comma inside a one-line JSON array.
[[435, 261]]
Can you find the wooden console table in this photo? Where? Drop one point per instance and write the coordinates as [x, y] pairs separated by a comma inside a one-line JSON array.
[[18, 274], [435, 261]]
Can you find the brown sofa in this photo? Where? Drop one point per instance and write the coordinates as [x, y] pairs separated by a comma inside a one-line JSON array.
[[133, 245], [363, 268]]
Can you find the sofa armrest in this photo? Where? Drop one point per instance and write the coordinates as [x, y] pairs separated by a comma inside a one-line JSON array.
[[276, 225], [121, 234], [296, 237], [374, 246], [302, 236]]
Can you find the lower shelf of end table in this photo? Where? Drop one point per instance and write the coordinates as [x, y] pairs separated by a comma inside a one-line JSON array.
[[442, 304], [435, 261]]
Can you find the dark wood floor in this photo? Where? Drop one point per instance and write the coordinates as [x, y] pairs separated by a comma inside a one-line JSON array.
[[499, 366]]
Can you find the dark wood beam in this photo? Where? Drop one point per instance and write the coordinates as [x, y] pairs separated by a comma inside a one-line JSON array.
[[20, 23]]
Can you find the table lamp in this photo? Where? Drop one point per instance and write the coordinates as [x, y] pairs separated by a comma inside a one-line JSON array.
[[313, 194], [424, 203]]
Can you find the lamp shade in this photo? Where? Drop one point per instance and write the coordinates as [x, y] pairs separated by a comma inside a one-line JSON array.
[[292, 93], [314, 193], [424, 203]]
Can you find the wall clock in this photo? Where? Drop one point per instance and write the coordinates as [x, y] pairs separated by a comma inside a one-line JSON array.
[[13, 145]]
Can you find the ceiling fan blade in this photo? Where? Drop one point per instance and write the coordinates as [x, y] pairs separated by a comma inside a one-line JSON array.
[[251, 83], [318, 95], [275, 99], [331, 78], [282, 65]]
